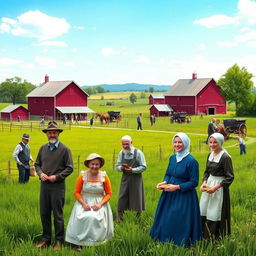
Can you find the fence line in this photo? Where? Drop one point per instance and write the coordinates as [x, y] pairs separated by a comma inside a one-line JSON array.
[[29, 126]]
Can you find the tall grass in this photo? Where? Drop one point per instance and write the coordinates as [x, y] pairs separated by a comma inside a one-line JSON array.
[[20, 225]]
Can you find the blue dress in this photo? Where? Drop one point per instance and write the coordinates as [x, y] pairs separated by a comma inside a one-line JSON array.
[[177, 216]]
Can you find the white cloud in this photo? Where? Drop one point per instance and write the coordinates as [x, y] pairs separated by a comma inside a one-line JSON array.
[[53, 43], [227, 44], [142, 59], [202, 46], [4, 28], [9, 61], [251, 35], [244, 29], [251, 44], [109, 52], [46, 62], [216, 21], [69, 64], [247, 10], [74, 50], [35, 24], [79, 27]]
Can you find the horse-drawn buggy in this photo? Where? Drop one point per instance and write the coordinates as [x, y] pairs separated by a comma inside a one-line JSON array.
[[111, 116], [114, 116], [236, 126], [180, 117]]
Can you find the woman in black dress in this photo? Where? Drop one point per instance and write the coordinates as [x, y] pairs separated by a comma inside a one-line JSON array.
[[215, 200]]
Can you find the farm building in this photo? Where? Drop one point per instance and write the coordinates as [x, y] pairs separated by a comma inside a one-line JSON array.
[[160, 110], [54, 99], [196, 96], [14, 113], [156, 99]]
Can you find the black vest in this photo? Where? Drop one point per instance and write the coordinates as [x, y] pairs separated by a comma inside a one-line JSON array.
[[24, 155]]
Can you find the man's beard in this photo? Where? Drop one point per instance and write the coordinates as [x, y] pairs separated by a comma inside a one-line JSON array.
[[52, 140], [127, 151]]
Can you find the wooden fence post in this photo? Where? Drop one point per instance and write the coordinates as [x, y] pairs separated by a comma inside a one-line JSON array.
[[78, 164], [9, 171], [199, 144], [10, 126], [114, 160], [142, 148], [160, 152], [31, 127]]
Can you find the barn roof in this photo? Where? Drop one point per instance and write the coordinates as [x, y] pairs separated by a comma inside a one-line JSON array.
[[188, 87], [51, 89], [11, 108], [162, 107], [157, 96], [75, 110]]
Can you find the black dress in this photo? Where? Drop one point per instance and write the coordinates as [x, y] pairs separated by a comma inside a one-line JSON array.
[[224, 168]]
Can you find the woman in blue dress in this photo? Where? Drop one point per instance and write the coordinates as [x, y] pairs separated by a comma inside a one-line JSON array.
[[177, 216]]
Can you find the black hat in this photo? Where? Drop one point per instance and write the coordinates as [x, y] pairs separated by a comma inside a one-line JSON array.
[[25, 136], [52, 126]]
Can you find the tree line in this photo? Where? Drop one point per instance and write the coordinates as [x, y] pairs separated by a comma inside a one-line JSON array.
[[15, 90]]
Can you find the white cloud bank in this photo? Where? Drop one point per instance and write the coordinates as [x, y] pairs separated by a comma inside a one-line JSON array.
[[35, 24], [217, 21]]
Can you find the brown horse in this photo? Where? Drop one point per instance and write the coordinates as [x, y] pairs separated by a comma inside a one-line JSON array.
[[221, 129], [103, 117]]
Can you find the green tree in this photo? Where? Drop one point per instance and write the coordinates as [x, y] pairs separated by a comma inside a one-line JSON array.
[[151, 89], [133, 98], [143, 95], [15, 90], [236, 86], [90, 90]]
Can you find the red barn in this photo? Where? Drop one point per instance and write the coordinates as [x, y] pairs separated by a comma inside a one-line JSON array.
[[156, 99], [14, 113], [53, 99], [196, 96], [160, 110]]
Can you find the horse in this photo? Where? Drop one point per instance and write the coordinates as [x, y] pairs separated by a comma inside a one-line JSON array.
[[221, 129], [103, 117]]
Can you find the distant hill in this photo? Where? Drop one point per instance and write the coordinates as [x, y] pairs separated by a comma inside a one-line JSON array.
[[130, 87]]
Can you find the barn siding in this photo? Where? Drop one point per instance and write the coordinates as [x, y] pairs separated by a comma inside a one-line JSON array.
[[181, 103], [71, 96], [41, 106], [210, 97]]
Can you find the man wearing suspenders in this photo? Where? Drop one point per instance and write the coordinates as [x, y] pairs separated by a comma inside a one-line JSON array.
[[131, 162]]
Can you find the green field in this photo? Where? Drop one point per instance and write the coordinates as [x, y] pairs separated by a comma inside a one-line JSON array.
[[20, 225]]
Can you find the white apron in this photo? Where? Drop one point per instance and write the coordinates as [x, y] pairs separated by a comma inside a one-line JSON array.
[[211, 204], [87, 228]]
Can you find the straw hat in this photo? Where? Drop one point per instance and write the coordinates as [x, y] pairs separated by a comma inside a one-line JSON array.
[[92, 157], [52, 126]]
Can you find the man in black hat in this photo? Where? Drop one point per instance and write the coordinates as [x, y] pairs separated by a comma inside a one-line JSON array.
[[53, 164], [22, 156]]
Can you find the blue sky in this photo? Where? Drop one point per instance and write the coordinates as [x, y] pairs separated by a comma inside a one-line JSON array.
[[111, 41]]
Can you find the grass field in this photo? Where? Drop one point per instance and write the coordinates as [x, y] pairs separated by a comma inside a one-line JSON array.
[[20, 225]]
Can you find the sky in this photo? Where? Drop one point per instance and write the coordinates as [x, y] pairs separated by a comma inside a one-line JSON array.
[[120, 41]]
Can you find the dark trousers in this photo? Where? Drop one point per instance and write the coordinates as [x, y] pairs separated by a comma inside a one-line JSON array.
[[52, 198], [139, 127], [242, 149], [24, 173]]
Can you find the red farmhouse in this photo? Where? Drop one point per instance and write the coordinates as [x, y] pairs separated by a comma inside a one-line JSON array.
[[156, 99], [196, 96], [14, 113], [53, 99], [160, 110]]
